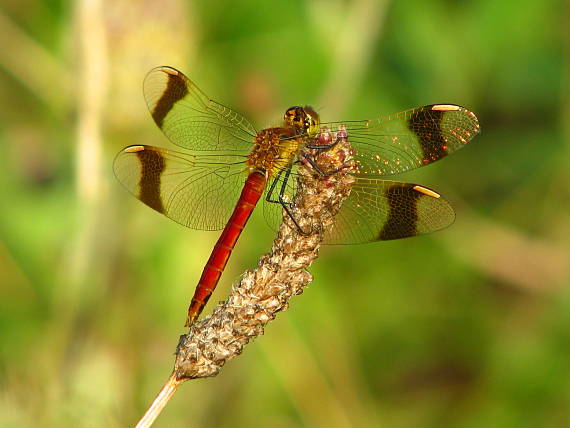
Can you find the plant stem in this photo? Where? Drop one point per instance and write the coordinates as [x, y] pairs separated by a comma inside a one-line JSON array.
[[263, 292], [162, 398]]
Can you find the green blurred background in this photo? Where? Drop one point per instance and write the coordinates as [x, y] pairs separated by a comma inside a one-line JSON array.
[[469, 327]]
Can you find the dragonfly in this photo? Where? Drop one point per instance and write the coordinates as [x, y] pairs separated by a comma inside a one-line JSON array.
[[227, 166]]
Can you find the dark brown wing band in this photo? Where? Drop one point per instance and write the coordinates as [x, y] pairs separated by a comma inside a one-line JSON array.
[[176, 89], [426, 124], [152, 166], [403, 215]]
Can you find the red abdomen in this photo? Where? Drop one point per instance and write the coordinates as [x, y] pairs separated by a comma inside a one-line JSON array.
[[252, 191]]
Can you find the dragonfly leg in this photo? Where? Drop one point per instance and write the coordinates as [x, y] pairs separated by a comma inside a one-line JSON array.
[[286, 205], [281, 198], [269, 197], [322, 146]]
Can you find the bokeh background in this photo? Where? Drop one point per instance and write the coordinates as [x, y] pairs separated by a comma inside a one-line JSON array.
[[469, 327]]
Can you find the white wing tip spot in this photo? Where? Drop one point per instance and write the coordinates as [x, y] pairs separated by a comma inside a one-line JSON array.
[[169, 70], [427, 192], [134, 149], [445, 107]]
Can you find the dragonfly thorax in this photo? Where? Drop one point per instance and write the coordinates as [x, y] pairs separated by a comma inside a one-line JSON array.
[[304, 120], [274, 149]]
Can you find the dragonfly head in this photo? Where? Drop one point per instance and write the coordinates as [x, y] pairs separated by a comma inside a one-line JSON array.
[[304, 120]]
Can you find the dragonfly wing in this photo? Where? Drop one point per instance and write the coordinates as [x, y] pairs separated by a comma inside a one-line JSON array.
[[379, 210], [410, 139], [189, 118], [197, 191]]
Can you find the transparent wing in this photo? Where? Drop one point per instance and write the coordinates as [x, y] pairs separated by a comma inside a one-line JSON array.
[[197, 191], [409, 139], [379, 210], [376, 210], [189, 118]]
